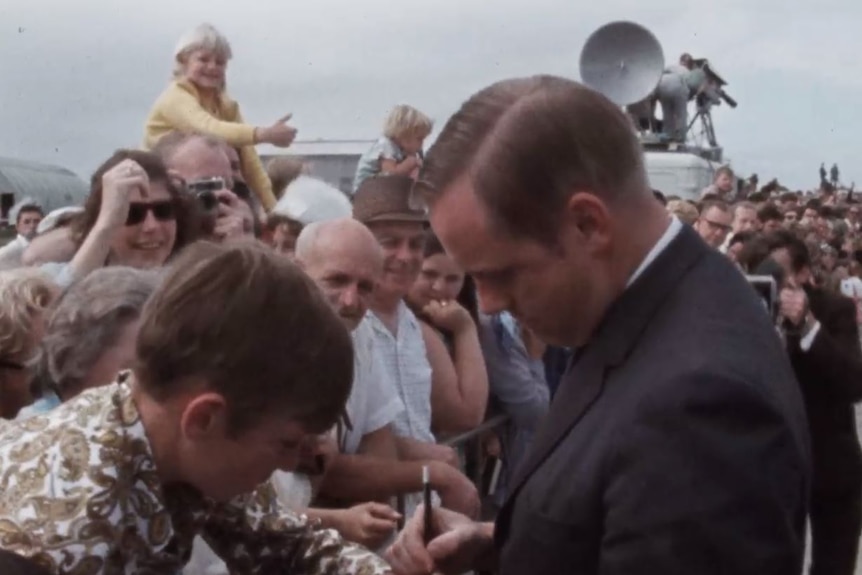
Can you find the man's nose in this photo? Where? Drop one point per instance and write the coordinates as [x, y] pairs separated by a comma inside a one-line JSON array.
[[349, 296], [403, 252]]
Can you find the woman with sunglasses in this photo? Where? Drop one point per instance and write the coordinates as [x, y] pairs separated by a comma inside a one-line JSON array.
[[135, 216]]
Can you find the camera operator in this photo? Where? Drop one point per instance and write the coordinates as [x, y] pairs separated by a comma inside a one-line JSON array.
[[678, 85], [822, 339]]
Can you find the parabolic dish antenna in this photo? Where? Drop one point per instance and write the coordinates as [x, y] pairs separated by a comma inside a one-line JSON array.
[[622, 61]]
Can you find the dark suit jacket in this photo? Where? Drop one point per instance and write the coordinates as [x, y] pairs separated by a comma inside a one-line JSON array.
[[830, 374], [677, 442]]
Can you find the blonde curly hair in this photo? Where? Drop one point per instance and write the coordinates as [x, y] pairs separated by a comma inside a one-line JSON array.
[[25, 294], [406, 120]]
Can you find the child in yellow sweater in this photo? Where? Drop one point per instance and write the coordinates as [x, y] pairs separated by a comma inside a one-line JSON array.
[[196, 102]]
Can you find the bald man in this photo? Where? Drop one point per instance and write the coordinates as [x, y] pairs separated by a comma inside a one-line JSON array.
[[345, 259]]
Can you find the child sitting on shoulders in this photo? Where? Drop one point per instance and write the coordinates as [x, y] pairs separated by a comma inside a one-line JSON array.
[[399, 150]]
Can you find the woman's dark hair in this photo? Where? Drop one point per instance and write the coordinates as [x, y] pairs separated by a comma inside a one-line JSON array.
[[188, 225], [467, 296]]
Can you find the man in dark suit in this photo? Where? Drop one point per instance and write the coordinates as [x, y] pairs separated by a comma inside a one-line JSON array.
[[823, 344], [677, 441]]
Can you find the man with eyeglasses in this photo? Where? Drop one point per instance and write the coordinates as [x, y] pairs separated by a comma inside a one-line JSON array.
[[714, 223], [204, 165]]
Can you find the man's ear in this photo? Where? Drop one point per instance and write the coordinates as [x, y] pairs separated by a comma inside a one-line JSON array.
[[589, 215], [204, 417]]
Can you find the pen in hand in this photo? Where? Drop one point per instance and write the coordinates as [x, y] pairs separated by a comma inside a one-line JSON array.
[[426, 493]]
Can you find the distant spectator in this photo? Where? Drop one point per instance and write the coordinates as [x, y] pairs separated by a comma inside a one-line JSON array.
[[685, 211], [53, 242], [26, 214], [281, 232], [722, 185], [770, 218], [713, 224], [399, 150]]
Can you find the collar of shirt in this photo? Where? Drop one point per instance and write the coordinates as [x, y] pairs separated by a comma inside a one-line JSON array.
[[673, 229]]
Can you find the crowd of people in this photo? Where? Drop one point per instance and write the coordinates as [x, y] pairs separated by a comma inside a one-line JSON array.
[[810, 247], [218, 365], [163, 354]]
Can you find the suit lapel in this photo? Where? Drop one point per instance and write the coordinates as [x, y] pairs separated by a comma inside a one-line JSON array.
[[619, 331]]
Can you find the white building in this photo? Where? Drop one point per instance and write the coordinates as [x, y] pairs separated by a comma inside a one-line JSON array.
[[333, 161]]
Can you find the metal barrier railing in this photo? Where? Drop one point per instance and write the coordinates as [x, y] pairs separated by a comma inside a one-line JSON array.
[[487, 425], [469, 448]]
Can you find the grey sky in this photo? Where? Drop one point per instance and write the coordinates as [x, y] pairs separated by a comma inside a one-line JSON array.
[[76, 83]]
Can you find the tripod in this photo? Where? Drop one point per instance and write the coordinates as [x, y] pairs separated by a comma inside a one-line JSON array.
[[707, 128]]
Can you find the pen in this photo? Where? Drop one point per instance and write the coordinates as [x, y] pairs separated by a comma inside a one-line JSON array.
[[426, 492]]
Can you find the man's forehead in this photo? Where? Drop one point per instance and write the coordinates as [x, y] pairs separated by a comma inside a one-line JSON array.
[[715, 212], [397, 228], [197, 159], [346, 252], [363, 267], [461, 224]]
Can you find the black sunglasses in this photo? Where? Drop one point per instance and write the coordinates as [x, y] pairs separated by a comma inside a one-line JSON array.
[[163, 211]]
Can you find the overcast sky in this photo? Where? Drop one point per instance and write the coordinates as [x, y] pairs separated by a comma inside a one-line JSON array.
[[77, 79]]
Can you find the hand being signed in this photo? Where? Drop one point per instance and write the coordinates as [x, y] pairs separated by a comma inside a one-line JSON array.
[[368, 524], [457, 545]]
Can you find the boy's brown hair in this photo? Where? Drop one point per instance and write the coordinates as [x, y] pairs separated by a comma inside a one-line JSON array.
[[254, 328]]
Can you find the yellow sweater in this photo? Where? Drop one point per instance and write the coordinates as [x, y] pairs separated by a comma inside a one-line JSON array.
[[181, 107]]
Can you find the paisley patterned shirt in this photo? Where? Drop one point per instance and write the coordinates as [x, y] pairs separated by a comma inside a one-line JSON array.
[[79, 493]]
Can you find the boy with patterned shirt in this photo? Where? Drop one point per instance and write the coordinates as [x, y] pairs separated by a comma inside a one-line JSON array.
[[240, 359]]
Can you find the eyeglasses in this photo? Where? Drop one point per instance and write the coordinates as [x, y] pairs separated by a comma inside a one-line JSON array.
[[163, 211], [718, 226]]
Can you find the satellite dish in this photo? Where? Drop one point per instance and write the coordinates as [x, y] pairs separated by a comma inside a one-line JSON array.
[[622, 61]]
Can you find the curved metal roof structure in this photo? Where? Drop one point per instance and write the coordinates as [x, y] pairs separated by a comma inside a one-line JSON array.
[[51, 186]]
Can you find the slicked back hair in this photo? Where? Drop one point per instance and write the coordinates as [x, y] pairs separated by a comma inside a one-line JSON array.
[[527, 144]]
